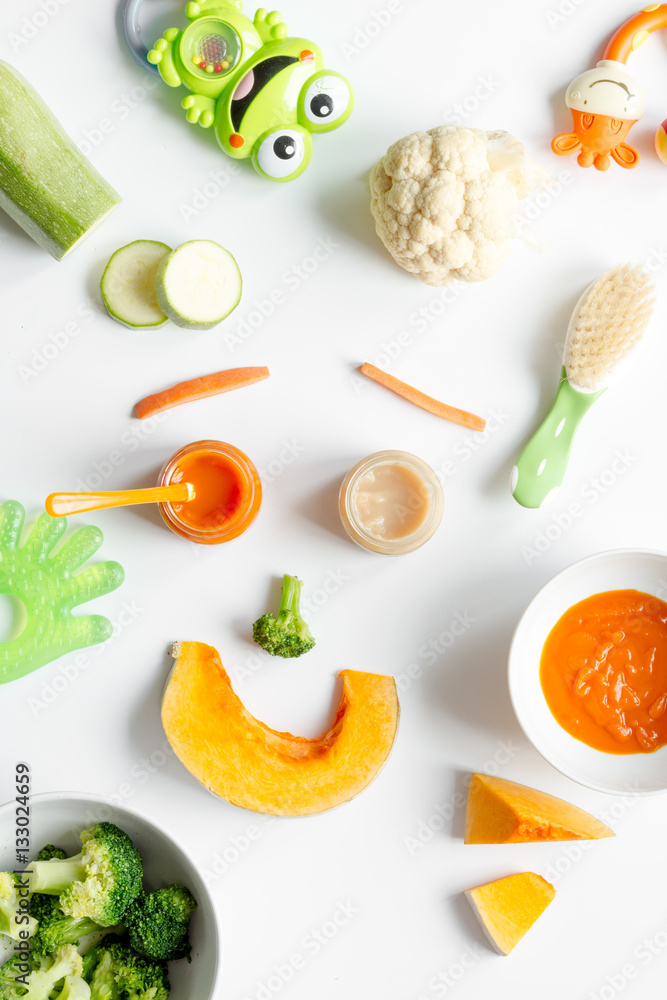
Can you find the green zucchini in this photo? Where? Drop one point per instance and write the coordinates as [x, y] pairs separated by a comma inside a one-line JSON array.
[[198, 284], [46, 184], [128, 284]]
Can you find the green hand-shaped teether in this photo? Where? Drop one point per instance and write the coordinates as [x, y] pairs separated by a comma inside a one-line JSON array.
[[49, 590]]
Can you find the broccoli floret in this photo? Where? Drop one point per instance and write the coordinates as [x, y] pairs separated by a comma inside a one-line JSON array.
[[90, 960], [54, 926], [100, 882], [49, 852], [93, 955], [121, 974], [19, 983], [287, 634], [14, 908], [157, 923], [14, 967], [42, 906], [74, 988]]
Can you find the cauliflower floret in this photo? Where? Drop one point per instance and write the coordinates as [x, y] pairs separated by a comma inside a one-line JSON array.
[[445, 201]]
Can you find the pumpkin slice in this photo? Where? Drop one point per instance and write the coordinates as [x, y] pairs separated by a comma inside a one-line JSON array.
[[241, 760], [508, 907], [502, 812]]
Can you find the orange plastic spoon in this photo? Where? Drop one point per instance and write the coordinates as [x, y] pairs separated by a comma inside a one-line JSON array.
[[60, 504]]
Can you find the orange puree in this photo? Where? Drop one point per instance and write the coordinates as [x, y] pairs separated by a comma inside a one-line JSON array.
[[221, 490], [604, 672]]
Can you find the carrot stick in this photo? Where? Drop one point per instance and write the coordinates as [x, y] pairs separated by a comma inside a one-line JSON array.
[[199, 388], [422, 400]]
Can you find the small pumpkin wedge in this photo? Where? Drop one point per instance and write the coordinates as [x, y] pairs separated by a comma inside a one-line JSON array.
[[244, 762], [508, 907]]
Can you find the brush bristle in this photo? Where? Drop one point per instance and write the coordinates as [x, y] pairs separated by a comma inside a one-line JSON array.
[[609, 322]]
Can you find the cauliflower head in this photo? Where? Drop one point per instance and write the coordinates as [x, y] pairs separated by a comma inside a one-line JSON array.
[[446, 201]]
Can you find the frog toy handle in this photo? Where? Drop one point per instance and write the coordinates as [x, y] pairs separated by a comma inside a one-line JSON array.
[[606, 101], [133, 34], [263, 93]]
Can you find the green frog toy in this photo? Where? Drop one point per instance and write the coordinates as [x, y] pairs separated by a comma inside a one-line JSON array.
[[263, 93]]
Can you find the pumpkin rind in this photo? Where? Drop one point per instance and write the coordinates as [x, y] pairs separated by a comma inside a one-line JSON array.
[[248, 764]]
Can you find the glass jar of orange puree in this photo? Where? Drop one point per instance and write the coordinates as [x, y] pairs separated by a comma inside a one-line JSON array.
[[227, 492]]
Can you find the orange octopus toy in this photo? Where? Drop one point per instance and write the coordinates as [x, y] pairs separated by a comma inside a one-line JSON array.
[[606, 101]]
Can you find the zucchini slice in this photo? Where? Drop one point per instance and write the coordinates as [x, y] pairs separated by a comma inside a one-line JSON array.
[[128, 284], [198, 285]]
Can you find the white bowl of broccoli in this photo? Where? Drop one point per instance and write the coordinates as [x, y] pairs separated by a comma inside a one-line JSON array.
[[80, 895]]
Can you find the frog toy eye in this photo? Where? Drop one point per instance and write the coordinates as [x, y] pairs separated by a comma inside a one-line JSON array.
[[282, 154], [326, 102]]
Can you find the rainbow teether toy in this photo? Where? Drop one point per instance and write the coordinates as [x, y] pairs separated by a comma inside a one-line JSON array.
[[606, 101], [48, 588], [263, 93]]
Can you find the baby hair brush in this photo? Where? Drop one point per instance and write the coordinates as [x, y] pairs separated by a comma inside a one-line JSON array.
[[608, 322]]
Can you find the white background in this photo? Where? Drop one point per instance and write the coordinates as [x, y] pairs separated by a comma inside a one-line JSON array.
[[494, 350]]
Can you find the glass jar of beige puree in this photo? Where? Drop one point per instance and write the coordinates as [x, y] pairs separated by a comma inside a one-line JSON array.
[[391, 502]]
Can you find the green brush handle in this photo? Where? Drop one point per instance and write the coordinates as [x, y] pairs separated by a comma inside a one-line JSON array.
[[542, 463]]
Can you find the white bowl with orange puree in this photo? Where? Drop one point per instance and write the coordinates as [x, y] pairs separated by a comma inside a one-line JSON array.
[[588, 671]]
